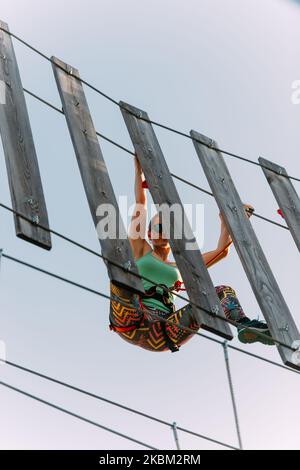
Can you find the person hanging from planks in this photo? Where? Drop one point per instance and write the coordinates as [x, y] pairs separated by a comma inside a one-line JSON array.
[[130, 313]]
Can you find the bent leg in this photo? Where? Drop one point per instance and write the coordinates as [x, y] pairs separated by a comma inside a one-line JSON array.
[[249, 331], [152, 334], [185, 318], [123, 307], [125, 311], [230, 303], [179, 320]]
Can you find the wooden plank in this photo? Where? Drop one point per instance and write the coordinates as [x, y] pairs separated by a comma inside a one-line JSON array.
[[20, 155], [261, 278], [198, 284], [94, 174], [285, 195]]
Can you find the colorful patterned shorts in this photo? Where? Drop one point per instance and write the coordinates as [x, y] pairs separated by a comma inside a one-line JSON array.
[[150, 335]]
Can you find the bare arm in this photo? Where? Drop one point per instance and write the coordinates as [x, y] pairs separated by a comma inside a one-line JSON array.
[[137, 228], [212, 257], [225, 241]]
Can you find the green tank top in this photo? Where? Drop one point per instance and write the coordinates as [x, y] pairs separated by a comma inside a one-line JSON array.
[[161, 273]]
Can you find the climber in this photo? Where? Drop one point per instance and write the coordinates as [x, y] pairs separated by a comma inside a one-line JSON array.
[[130, 313]]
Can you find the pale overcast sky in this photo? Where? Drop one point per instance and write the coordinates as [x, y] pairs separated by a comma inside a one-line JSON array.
[[224, 68]]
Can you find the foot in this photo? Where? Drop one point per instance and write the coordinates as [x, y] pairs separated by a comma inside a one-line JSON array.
[[251, 333]]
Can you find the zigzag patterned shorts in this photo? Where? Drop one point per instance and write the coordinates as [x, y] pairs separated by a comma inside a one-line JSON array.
[[150, 334]]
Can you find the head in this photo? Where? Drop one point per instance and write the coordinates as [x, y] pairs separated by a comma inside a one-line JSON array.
[[155, 233]]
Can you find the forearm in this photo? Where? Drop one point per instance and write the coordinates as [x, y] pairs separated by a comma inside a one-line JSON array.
[[224, 238], [222, 250], [225, 241], [212, 257], [137, 227], [140, 192]]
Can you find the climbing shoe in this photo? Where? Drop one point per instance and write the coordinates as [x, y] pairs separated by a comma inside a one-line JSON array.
[[250, 334]]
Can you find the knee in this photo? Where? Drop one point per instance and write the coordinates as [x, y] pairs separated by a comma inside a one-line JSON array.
[[121, 292], [112, 286], [225, 289], [116, 288]]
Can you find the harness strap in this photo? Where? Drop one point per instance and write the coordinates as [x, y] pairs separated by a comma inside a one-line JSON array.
[[160, 292], [177, 286], [122, 329]]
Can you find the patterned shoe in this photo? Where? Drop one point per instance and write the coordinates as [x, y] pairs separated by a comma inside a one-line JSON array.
[[250, 335]]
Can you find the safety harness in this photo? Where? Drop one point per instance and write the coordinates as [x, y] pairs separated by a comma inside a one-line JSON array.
[[161, 293]]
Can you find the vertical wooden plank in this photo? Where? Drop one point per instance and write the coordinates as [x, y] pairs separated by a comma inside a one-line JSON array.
[[285, 195], [261, 278], [94, 174], [197, 281], [20, 155]]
